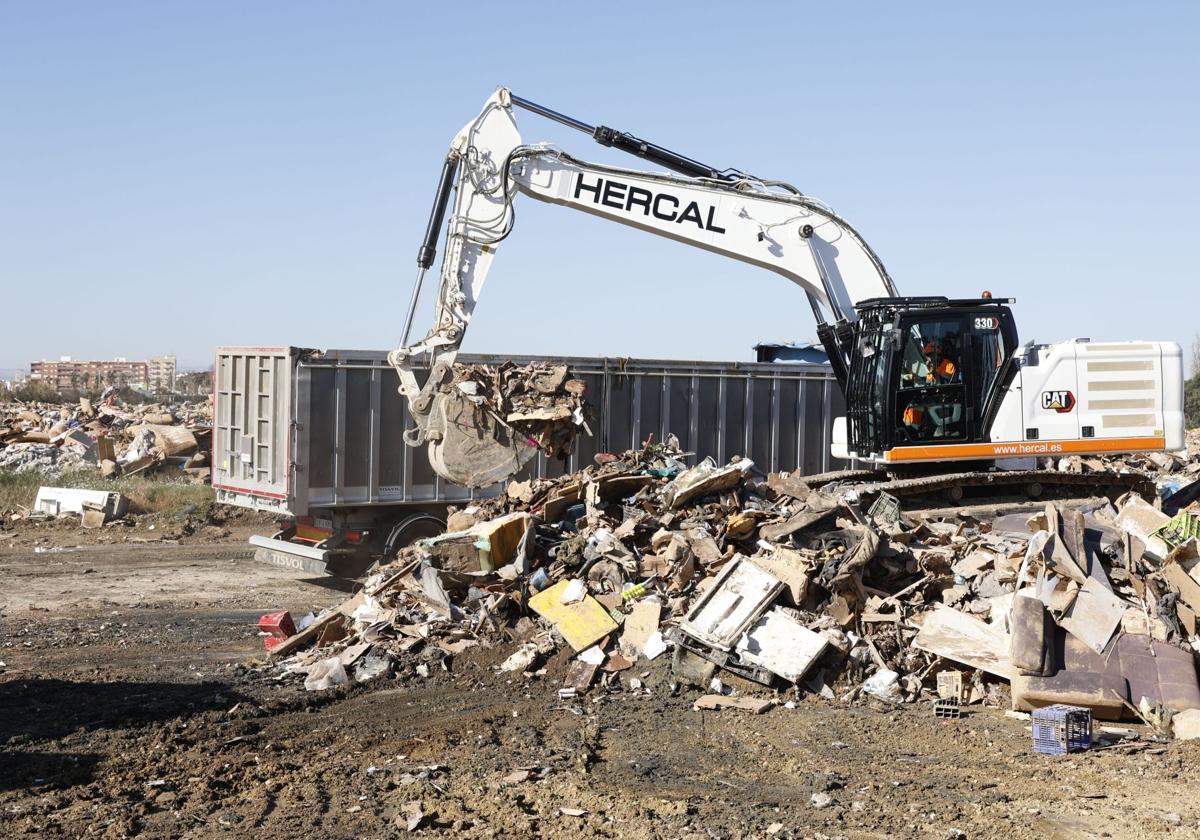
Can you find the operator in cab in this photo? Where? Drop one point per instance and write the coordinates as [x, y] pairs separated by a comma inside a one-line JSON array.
[[932, 411], [941, 366]]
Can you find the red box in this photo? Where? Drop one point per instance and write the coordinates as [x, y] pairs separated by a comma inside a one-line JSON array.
[[278, 624], [272, 642]]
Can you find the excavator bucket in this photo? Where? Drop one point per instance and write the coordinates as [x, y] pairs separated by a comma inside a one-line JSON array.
[[483, 423], [469, 446]]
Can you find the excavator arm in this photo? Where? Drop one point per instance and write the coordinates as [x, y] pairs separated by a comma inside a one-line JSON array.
[[764, 223]]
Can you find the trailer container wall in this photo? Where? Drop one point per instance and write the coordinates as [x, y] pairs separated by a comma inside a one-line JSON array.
[[299, 432], [252, 414]]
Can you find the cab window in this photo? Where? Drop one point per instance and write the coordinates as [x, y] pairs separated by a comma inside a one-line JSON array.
[[989, 354], [931, 398]]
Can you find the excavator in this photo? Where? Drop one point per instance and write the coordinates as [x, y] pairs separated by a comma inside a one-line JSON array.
[[939, 392]]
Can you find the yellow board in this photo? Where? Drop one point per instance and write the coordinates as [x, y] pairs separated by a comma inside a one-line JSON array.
[[582, 623]]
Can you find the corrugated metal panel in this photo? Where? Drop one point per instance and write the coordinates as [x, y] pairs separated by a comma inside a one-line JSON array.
[[251, 426], [349, 418]]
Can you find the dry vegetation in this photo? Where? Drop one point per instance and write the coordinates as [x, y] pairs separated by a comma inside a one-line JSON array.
[[145, 494]]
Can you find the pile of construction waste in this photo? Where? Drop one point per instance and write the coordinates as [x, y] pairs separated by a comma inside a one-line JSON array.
[[799, 587], [1171, 470], [108, 436]]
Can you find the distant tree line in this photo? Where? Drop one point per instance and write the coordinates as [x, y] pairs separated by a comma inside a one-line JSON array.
[[32, 391], [1191, 389], [191, 386], [195, 384]]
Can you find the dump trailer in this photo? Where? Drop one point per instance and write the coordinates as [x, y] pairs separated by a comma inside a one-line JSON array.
[[316, 437]]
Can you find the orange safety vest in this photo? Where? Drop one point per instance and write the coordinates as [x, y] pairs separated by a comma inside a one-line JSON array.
[[945, 369], [913, 416]]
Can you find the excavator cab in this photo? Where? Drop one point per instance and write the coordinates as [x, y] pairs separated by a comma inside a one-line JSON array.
[[926, 371]]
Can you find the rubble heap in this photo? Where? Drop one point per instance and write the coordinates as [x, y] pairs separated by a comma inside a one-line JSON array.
[[539, 401], [41, 458], [1172, 470], [786, 585], [109, 436]]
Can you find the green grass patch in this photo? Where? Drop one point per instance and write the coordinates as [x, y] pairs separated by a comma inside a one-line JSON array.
[[1191, 401]]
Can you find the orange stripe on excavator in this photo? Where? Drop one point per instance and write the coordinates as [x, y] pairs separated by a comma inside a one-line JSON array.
[[1025, 449]]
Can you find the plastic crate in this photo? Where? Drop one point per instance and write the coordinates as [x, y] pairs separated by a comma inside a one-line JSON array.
[[886, 508], [1061, 729]]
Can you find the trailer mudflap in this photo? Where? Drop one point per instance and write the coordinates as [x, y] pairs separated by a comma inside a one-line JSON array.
[[292, 555]]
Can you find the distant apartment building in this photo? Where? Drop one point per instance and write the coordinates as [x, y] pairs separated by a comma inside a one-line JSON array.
[[162, 374], [69, 374]]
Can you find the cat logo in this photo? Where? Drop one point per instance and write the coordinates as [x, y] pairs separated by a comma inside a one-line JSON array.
[[1060, 401]]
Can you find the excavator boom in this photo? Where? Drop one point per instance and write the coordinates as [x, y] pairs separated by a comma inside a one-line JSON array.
[[764, 223]]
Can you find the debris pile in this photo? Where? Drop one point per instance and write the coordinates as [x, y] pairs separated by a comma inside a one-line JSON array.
[[108, 436], [539, 401], [1172, 471], [792, 586], [41, 458]]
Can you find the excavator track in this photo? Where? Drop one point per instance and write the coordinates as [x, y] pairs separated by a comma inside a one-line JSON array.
[[985, 484]]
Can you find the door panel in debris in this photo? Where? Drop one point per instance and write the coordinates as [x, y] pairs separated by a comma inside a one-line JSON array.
[[739, 595]]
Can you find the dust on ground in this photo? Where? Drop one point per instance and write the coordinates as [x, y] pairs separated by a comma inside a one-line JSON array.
[[134, 702]]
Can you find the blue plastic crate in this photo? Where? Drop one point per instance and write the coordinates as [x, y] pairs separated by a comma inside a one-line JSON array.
[[1061, 729]]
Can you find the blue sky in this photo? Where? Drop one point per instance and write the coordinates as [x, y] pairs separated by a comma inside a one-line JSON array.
[[177, 176]]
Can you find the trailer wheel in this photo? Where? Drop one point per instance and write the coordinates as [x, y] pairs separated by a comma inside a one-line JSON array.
[[412, 528]]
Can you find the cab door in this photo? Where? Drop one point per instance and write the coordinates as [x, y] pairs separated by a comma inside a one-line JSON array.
[[932, 402], [990, 340]]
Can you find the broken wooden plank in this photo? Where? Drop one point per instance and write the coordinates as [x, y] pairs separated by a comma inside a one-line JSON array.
[[1189, 590], [582, 623], [310, 633], [719, 701], [963, 638], [1094, 615], [639, 626], [815, 512], [789, 566]]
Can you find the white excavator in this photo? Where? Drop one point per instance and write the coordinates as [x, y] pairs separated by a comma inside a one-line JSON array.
[[927, 380]]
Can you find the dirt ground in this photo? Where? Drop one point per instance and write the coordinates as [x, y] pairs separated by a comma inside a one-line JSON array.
[[135, 701]]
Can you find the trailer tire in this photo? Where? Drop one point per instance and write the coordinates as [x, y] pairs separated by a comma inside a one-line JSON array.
[[413, 528]]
